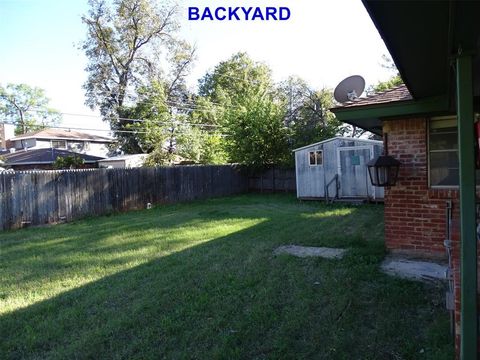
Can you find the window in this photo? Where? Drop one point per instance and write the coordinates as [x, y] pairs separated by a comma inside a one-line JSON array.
[[315, 158], [443, 152], [59, 144], [75, 146]]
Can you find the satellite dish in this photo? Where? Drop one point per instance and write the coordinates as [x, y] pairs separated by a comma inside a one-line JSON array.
[[349, 89]]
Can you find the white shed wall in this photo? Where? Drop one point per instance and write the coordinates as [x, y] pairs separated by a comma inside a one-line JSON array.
[[311, 180]]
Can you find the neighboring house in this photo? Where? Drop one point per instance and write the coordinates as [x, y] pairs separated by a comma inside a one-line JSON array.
[[336, 168], [430, 127], [75, 141], [43, 159], [123, 161]]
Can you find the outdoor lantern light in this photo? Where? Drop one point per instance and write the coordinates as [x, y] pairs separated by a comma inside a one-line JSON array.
[[383, 169]]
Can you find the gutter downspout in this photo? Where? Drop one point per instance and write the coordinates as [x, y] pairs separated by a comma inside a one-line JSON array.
[[468, 238]]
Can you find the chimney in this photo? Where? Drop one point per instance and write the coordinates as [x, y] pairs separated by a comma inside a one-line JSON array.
[[7, 131]]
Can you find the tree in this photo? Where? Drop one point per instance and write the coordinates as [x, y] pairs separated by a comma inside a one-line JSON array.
[[234, 78], [307, 112], [27, 107], [150, 120], [393, 81], [257, 135], [214, 151], [68, 162], [123, 48], [238, 96], [162, 130]]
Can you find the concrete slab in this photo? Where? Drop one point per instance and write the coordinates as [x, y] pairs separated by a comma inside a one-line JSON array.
[[413, 269], [309, 251]]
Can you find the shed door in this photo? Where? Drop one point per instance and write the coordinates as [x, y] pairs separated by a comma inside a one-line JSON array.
[[352, 171]]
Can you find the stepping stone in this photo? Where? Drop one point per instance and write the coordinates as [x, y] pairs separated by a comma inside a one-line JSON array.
[[308, 251], [413, 270]]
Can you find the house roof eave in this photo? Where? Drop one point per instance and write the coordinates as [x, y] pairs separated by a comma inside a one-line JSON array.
[[369, 117]]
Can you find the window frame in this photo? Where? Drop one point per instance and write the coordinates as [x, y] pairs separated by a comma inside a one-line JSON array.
[[58, 141], [315, 152], [430, 151]]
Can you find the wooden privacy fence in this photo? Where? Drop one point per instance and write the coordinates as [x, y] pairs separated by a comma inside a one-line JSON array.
[[273, 180], [42, 197]]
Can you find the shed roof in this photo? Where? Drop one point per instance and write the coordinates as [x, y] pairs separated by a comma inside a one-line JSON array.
[[375, 142]]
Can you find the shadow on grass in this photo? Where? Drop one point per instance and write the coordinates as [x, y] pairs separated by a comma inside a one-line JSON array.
[[228, 297]]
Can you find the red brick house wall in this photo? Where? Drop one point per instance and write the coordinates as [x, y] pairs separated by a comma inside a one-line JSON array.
[[415, 214], [415, 217]]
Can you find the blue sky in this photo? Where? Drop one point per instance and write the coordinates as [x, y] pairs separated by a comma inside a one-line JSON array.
[[323, 42]]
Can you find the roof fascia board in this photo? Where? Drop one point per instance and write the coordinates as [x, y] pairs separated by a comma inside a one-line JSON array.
[[393, 109]]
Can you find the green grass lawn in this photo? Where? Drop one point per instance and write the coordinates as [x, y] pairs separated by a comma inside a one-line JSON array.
[[199, 281]]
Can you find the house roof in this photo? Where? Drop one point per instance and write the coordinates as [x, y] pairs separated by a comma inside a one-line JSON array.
[[62, 134], [413, 33], [375, 142], [368, 112], [398, 93], [423, 38], [43, 156]]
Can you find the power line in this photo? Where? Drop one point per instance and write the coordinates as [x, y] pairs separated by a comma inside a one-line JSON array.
[[190, 106], [177, 130], [129, 119]]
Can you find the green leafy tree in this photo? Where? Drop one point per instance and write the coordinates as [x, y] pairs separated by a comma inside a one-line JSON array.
[[210, 118], [393, 81], [307, 112], [159, 157], [257, 134], [150, 120], [214, 150], [123, 45], [235, 78], [131, 47], [27, 107], [163, 131], [239, 97], [68, 162]]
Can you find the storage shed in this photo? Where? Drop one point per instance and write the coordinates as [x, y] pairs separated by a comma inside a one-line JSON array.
[[336, 168]]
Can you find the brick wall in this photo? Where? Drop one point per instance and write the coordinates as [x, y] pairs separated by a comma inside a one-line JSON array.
[[415, 221], [415, 215]]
